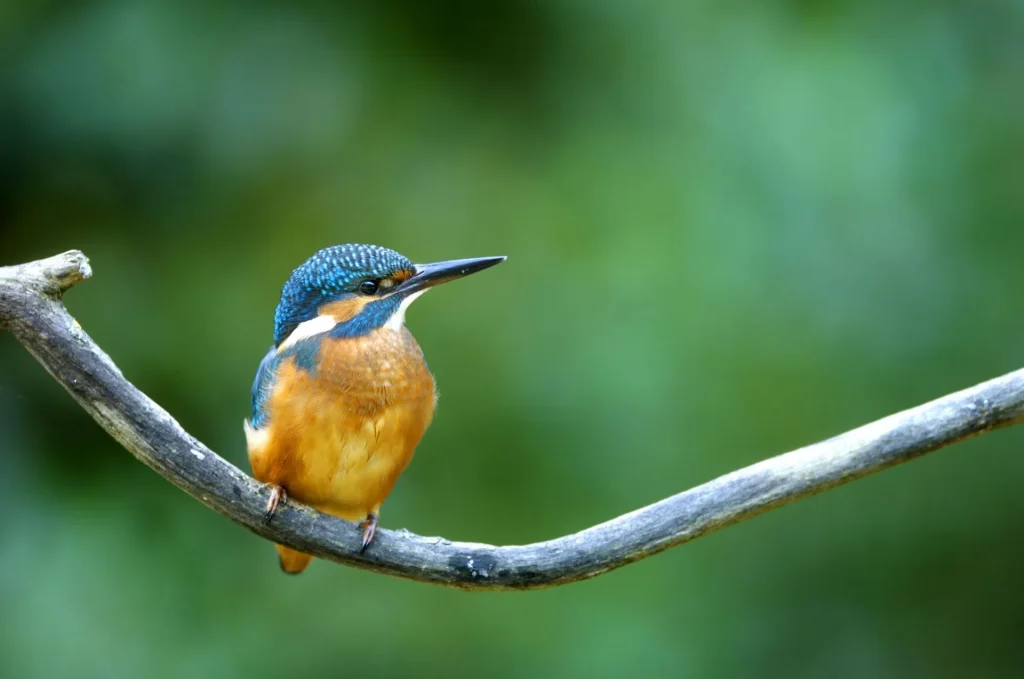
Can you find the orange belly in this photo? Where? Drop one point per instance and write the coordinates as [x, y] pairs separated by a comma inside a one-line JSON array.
[[338, 437]]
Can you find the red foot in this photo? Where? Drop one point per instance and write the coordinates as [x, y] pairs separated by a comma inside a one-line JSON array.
[[278, 495], [369, 526]]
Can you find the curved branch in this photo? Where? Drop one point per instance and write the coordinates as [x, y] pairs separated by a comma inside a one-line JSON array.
[[31, 309]]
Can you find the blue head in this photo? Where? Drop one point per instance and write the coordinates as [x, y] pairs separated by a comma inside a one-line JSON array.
[[356, 289], [331, 275]]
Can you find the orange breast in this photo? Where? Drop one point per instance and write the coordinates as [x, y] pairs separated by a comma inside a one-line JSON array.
[[338, 437]]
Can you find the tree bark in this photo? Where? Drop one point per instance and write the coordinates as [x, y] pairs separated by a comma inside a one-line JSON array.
[[31, 309]]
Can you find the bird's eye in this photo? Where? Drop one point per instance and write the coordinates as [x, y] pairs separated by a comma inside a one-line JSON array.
[[368, 288]]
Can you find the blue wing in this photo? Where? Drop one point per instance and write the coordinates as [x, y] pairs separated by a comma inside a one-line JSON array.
[[262, 385]]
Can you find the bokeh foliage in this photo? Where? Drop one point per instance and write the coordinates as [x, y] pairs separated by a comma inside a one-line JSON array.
[[733, 229]]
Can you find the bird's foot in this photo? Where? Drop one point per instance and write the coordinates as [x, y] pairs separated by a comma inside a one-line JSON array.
[[369, 526], [278, 496]]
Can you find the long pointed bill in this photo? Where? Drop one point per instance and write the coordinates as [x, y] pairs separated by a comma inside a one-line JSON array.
[[429, 275]]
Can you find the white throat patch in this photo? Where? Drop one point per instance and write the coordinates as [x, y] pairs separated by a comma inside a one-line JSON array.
[[397, 319]]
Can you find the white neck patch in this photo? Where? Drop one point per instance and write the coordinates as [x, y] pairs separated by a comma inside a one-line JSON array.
[[397, 319], [306, 329]]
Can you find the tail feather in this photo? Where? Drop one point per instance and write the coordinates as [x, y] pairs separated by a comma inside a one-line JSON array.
[[292, 562]]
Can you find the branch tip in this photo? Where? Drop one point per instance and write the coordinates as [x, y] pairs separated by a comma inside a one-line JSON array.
[[65, 270], [52, 276]]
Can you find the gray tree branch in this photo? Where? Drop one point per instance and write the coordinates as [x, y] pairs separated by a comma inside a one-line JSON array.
[[32, 310]]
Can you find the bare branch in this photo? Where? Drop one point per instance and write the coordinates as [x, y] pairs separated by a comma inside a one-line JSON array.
[[31, 309]]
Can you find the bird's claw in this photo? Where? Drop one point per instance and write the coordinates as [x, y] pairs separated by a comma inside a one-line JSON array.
[[278, 496], [369, 526]]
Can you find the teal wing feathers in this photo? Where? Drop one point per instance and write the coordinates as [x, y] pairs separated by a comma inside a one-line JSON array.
[[262, 386]]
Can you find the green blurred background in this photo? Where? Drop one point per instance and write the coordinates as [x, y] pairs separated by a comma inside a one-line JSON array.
[[732, 228]]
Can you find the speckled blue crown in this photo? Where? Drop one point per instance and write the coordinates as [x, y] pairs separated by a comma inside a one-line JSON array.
[[328, 274]]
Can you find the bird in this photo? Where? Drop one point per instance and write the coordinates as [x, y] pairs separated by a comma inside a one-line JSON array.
[[343, 396]]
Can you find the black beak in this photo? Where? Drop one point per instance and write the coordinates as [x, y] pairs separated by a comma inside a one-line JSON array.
[[429, 275]]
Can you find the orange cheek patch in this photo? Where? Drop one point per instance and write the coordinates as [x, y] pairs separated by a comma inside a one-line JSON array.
[[345, 309], [402, 275]]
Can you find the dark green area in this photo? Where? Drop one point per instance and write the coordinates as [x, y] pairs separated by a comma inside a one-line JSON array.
[[732, 228]]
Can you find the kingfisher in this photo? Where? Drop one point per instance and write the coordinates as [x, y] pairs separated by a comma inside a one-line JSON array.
[[344, 395]]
